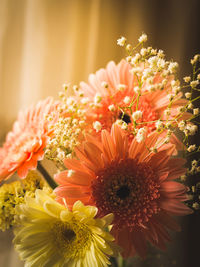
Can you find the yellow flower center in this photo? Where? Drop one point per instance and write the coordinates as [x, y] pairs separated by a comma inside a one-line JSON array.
[[72, 239]]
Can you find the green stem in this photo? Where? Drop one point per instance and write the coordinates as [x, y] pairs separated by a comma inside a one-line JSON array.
[[121, 262], [114, 262], [46, 176]]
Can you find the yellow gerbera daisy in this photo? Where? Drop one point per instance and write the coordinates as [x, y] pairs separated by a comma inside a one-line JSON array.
[[51, 235]]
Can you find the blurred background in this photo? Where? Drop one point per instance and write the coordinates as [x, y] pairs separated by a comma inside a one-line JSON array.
[[45, 43]]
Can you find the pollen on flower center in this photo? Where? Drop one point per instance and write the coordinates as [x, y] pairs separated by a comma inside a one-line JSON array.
[[129, 190], [71, 238]]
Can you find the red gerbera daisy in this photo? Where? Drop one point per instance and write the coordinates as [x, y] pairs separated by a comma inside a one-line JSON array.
[[133, 183], [25, 144]]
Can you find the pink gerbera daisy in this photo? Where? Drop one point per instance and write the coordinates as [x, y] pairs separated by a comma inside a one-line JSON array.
[[118, 88], [132, 182], [25, 144]]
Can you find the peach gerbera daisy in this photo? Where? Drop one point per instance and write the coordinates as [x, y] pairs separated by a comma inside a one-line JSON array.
[[133, 183], [25, 144], [115, 88]]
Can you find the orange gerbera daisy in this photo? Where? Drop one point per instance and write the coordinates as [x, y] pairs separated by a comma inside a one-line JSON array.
[[116, 87], [133, 183], [25, 144]]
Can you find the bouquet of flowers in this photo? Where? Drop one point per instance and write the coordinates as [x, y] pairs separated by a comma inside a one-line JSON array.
[[121, 175]]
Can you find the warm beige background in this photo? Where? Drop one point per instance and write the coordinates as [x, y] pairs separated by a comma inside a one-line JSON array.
[[44, 43]]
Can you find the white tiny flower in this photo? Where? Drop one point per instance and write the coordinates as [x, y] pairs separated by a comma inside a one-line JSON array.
[[137, 115], [190, 129], [173, 66], [137, 90], [151, 88], [170, 97], [187, 79], [161, 63], [104, 84], [196, 205], [70, 100], [121, 87], [81, 123], [61, 94], [61, 155], [191, 148], [128, 59], [80, 93], [124, 126], [190, 106], [150, 80], [143, 52], [195, 59], [153, 51], [188, 95], [65, 86], [119, 122], [194, 83], [111, 108], [153, 61], [129, 47], [160, 53], [135, 59], [140, 136], [176, 89], [85, 100], [97, 126], [159, 125], [196, 111], [97, 98], [175, 83], [143, 38], [198, 76], [136, 70], [168, 124], [126, 99], [70, 173], [164, 82], [75, 121], [194, 162], [147, 73], [75, 88], [121, 41], [165, 73], [167, 111], [181, 109], [167, 139]]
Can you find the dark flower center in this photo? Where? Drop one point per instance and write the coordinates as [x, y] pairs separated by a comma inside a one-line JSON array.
[[129, 190], [123, 192], [69, 235], [125, 117]]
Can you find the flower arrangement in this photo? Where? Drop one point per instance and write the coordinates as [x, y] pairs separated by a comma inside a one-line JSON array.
[[121, 167]]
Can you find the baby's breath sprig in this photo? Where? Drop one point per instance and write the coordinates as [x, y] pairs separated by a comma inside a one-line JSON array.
[[69, 127], [154, 73]]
